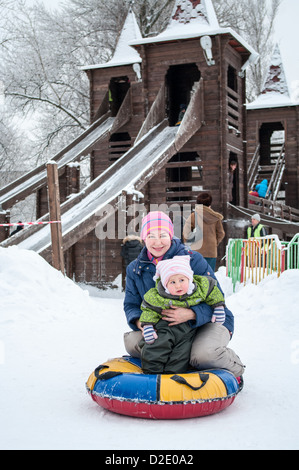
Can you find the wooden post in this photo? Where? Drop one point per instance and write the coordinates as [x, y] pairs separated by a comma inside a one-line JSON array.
[[4, 219], [72, 172], [54, 211]]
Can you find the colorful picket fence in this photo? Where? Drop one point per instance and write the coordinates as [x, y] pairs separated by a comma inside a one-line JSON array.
[[292, 253], [256, 258]]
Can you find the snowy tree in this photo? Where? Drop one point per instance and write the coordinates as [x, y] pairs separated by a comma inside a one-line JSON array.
[[6, 8], [14, 147], [254, 21], [152, 15], [41, 74], [8, 145], [41, 53], [93, 26]]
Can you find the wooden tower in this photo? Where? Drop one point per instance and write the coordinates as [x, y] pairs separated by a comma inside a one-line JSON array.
[[192, 49], [139, 152], [273, 136]]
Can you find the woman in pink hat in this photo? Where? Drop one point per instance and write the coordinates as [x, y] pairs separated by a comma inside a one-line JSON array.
[[209, 347]]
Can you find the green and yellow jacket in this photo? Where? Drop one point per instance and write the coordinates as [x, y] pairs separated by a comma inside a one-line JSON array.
[[156, 299], [256, 232]]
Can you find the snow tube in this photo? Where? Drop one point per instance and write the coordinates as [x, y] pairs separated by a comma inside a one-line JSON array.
[[119, 385]]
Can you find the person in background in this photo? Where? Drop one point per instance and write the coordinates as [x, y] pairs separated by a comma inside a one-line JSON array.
[[211, 224], [255, 194], [181, 114], [256, 229], [130, 249], [18, 229], [232, 181], [262, 188]]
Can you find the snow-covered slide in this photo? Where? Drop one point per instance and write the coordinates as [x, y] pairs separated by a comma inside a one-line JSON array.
[[31, 181], [104, 126], [83, 212]]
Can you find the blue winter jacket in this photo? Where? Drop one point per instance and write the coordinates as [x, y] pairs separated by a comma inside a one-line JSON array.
[[140, 279], [261, 188]]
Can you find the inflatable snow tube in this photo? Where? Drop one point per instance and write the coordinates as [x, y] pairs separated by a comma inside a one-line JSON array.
[[119, 385]]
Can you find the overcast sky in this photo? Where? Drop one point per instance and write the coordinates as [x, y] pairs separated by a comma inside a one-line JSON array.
[[286, 34], [48, 3]]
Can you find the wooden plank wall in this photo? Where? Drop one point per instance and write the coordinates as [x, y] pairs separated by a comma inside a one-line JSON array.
[[69, 183], [289, 117], [214, 141], [99, 82], [95, 261]]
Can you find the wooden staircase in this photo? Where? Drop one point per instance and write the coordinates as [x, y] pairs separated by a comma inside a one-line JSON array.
[[272, 172]]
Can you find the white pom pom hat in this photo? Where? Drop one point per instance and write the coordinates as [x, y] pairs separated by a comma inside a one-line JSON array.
[[176, 265]]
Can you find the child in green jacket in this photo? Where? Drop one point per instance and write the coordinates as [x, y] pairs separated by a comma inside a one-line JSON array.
[[166, 349]]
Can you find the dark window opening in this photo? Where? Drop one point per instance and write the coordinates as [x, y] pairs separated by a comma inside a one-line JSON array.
[[118, 88], [179, 82], [271, 138], [232, 81], [233, 101], [119, 143], [183, 176]]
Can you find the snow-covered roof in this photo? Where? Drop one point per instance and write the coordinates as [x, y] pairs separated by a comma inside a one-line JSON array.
[[123, 54], [189, 18], [191, 15], [275, 92], [192, 19]]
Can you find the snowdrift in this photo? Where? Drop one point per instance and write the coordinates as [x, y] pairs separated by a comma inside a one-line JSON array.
[[54, 332]]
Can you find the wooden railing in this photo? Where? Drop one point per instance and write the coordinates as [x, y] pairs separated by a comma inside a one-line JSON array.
[[253, 167], [83, 144], [275, 181], [251, 261], [274, 208]]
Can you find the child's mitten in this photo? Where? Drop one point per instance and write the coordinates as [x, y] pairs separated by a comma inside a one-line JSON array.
[[149, 334], [218, 315]]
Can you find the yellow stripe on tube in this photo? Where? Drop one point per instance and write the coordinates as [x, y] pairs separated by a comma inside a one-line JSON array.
[[114, 365], [171, 391]]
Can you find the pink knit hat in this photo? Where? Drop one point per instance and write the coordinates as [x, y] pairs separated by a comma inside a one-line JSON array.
[[156, 221], [176, 265]]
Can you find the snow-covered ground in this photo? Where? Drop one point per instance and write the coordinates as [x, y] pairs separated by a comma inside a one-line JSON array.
[[53, 333]]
